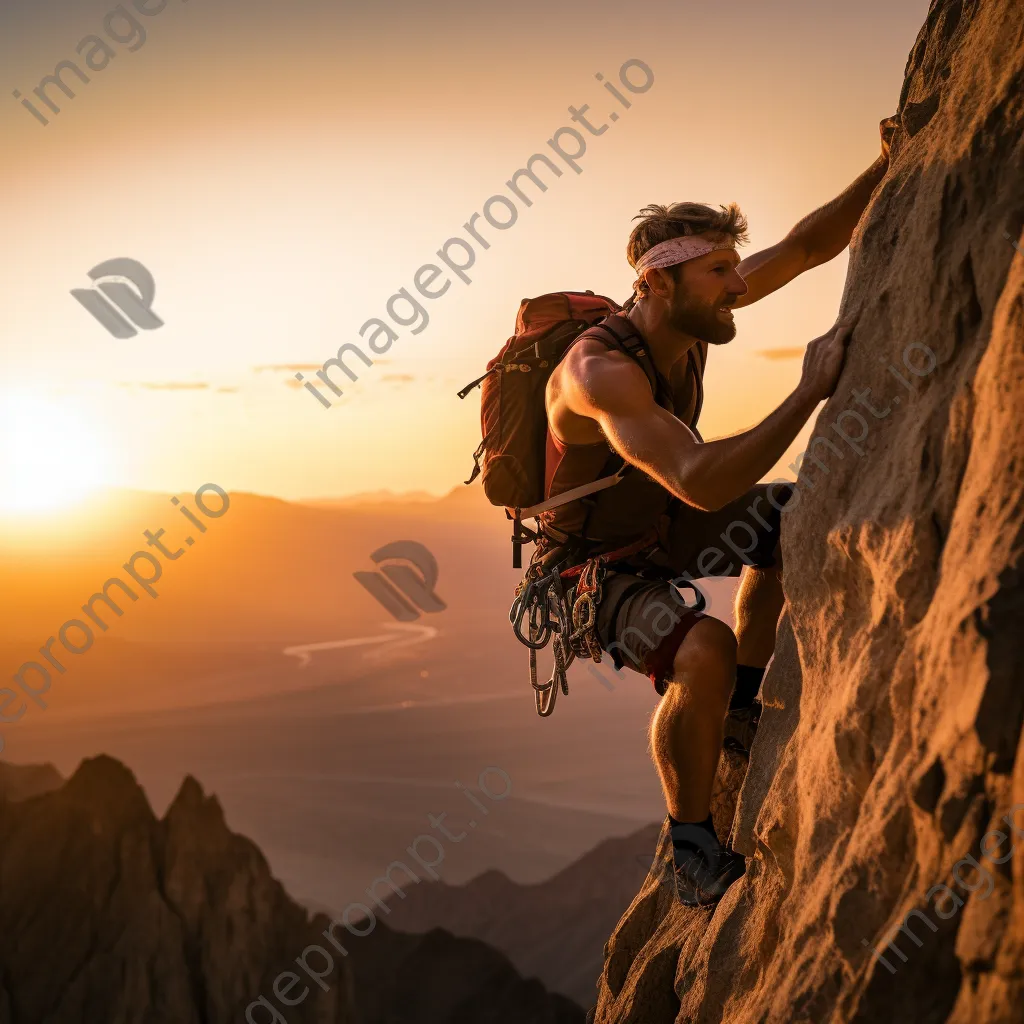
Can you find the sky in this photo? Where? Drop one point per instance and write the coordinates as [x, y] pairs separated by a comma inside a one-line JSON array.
[[283, 170]]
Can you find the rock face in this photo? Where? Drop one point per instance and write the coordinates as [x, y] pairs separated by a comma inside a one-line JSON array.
[[891, 742], [109, 914]]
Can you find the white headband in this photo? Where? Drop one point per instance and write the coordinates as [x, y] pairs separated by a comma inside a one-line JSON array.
[[678, 250]]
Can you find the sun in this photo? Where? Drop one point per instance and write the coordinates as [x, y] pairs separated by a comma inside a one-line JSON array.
[[50, 455]]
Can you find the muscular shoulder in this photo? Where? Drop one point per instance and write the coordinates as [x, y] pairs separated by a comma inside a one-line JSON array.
[[595, 378]]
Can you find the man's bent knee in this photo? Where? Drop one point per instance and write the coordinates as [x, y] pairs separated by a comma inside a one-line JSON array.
[[710, 638], [707, 657]]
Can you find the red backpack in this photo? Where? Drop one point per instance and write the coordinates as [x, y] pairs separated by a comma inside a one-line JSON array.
[[513, 418]]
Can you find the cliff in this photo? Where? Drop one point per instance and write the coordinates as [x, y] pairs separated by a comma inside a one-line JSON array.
[[109, 914], [885, 794]]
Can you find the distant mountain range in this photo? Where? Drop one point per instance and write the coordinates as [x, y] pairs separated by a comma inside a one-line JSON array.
[[21, 781], [554, 931], [383, 497], [110, 914], [265, 570], [333, 765]]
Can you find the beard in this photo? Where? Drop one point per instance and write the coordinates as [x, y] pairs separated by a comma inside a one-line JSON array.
[[700, 321]]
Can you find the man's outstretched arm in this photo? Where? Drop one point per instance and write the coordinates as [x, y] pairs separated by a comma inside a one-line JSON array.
[[819, 237], [614, 392]]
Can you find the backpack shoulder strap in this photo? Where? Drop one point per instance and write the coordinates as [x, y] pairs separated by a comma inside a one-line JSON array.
[[615, 468], [700, 356], [624, 337], [619, 333]]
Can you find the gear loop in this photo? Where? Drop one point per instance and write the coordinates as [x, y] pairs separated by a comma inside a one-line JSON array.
[[558, 602]]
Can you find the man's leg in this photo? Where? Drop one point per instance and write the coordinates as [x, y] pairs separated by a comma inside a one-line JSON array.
[[687, 727], [693, 534], [759, 603], [758, 606], [686, 740]]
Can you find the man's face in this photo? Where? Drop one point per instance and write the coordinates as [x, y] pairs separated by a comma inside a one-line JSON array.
[[706, 289]]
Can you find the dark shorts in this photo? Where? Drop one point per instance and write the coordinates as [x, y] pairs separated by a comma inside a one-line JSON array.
[[642, 622]]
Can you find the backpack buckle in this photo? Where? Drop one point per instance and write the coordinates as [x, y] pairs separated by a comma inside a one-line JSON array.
[[520, 535]]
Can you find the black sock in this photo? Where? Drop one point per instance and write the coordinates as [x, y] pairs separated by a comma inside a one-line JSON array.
[[707, 825], [748, 682]]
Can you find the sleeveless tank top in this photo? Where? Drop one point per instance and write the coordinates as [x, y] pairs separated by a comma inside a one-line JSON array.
[[621, 514]]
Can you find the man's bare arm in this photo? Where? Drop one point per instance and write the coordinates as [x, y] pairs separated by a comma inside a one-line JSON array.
[[819, 237], [613, 391]]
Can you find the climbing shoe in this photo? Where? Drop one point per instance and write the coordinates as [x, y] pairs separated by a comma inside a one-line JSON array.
[[741, 728], [703, 868]]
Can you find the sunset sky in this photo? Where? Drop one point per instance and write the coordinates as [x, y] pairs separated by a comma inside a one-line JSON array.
[[282, 170]]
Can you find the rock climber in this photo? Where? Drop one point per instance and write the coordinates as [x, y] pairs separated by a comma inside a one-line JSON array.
[[602, 403]]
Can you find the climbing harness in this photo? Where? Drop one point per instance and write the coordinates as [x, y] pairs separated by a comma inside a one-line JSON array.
[[557, 611]]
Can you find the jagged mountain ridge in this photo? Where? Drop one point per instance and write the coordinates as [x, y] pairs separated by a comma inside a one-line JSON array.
[[107, 913], [891, 743], [21, 781], [555, 930]]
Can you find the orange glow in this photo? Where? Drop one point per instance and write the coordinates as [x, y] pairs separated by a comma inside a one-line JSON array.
[[50, 455]]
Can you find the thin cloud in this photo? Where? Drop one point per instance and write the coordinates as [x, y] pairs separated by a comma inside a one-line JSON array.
[[399, 378], [776, 354], [286, 367], [226, 391], [169, 385]]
